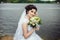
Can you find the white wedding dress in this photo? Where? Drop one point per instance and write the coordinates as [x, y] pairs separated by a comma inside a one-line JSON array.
[[19, 33]]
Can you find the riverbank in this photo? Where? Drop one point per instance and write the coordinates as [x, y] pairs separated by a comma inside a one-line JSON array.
[[6, 37]]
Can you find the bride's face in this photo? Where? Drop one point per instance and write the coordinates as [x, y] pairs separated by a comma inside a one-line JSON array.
[[32, 13]]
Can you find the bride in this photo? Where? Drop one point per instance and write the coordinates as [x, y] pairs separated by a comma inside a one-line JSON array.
[[25, 31]]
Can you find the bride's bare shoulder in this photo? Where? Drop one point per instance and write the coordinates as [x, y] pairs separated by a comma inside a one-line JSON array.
[[25, 20]]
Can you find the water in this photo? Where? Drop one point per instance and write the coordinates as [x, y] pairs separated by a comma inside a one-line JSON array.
[[49, 13]]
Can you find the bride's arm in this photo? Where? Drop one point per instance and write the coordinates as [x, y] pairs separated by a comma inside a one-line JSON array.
[[26, 33]]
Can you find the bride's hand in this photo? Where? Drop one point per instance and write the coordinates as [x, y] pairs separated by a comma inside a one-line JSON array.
[[37, 28]]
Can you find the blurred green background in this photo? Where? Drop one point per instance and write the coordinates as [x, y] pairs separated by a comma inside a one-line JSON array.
[[29, 1]]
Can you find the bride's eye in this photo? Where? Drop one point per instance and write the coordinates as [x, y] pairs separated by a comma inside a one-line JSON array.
[[31, 11]]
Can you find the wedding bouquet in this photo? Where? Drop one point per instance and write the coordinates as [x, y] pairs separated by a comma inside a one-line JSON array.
[[34, 21]]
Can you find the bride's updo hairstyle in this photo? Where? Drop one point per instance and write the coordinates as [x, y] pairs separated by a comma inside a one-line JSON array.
[[30, 7]]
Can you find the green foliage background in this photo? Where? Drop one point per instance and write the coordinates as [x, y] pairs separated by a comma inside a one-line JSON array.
[[26, 1]]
